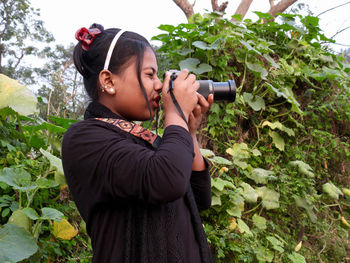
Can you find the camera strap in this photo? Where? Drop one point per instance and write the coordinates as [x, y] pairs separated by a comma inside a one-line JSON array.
[[135, 130], [171, 88]]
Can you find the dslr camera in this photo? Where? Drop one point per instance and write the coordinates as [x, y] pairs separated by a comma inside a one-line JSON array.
[[222, 91]]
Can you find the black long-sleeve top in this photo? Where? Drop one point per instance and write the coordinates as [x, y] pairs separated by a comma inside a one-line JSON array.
[[133, 197]]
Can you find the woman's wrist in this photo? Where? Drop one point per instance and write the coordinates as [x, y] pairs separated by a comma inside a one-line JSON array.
[[173, 118]]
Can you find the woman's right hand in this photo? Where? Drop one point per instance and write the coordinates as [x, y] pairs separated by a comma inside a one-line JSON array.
[[185, 92]]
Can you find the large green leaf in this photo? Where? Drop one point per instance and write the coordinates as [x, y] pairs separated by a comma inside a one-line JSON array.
[[248, 193], [51, 213], [16, 243], [258, 68], [296, 258], [276, 244], [243, 227], [277, 140], [256, 102], [205, 46], [332, 190], [270, 198], [260, 176], [303, 168], [192, 65], [18, 178], [280, 126], [307, 205], [259, 221], [57, 163], [16, 96]]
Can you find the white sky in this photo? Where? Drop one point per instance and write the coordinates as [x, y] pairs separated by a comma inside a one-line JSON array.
[[62, 18]]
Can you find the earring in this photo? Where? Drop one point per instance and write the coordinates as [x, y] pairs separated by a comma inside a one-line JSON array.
[[111, 91]]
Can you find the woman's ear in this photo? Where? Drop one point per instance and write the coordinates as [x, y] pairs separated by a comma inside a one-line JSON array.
[[106, 82]]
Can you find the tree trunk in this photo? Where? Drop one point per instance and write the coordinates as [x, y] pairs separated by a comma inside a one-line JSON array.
[[281, 7], [186, 7], [216, 7], [243, 7]]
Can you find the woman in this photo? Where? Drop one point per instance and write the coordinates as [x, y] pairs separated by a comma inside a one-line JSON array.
[[138, 194]]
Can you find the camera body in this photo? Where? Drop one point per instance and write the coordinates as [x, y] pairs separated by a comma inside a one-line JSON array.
[[222, 91]]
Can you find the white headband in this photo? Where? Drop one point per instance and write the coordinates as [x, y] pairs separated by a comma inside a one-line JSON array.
[[111, 47]]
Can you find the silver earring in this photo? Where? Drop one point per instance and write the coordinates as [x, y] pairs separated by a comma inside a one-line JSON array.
[[111, 90]]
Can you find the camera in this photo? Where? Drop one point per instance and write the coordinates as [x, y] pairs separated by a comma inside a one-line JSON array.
[[223, 91]]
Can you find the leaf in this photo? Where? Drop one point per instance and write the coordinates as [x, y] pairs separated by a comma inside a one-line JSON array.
[[45, 183], [168, 28], [260, 176], [16, 96], [332, 190], [276, 244], [256, 102], [277, 140], [239, 150], [296, 258], [258, 68], [234, 211], [16, 243], [207, 153], [264, 255], [278, 125], [303, 168], [63, 230], [205, 46], [298, 247], [271, 60], [249, 193], [243, 227], [57, 163], [215, 200], [191, 65], [220, 160], [219, 183], [31, 213], [51, 213], [269, 197], [249, 47], [259, 221], [18, 178], [276, 91], [304, 203]]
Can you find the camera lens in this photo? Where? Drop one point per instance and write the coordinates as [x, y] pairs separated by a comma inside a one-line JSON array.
[[223, 91]]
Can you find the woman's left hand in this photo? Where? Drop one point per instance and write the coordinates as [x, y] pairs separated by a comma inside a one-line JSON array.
[[195, 117]]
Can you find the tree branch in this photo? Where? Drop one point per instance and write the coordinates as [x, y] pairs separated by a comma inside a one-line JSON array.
[[243, 7], [272, 3], [332, 9], [281, 7], [186, 7], [216, 7], [340, 31]]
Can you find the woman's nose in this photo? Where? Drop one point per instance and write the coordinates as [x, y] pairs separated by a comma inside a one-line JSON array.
[[158, 86]]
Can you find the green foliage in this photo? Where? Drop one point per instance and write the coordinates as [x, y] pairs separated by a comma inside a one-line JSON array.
[[20, 32], [274, 150], [33, 191]]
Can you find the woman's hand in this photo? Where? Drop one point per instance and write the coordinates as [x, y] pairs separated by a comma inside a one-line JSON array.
[[185, 92], [198, 112]]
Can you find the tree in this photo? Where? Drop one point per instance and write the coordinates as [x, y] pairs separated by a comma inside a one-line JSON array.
[[62, 89], [20, 33], [242, 9]]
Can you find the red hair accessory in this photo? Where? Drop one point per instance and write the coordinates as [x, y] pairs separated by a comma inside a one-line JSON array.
[[86, 36]]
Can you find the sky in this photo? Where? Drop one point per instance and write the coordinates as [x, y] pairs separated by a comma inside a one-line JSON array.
[[63, 18]]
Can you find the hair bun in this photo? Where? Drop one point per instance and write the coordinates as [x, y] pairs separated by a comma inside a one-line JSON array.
[[95, 25]]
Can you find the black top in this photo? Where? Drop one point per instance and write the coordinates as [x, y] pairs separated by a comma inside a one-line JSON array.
[[135, 200]]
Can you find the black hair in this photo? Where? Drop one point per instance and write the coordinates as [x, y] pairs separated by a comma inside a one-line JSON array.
[[89, 63]]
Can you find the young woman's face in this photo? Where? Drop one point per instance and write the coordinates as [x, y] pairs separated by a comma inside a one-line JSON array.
[[129, 101]]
